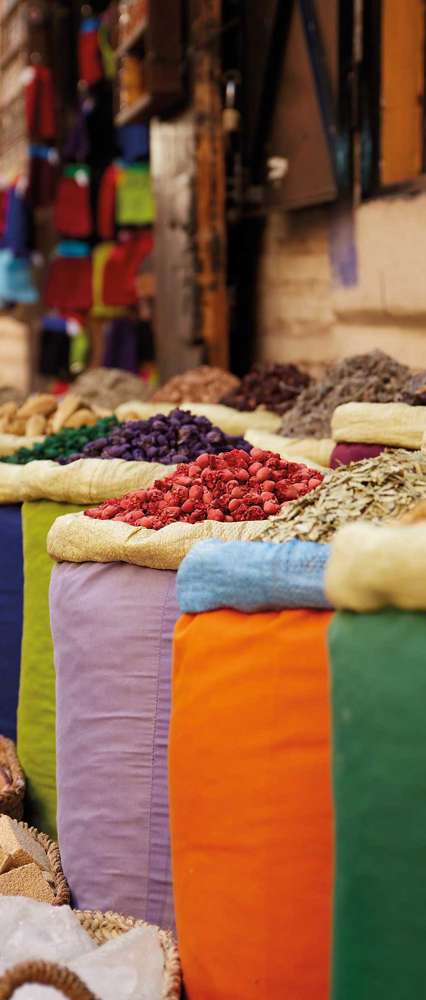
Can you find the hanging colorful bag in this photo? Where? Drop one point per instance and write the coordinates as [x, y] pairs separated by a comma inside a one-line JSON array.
[[73, 215]]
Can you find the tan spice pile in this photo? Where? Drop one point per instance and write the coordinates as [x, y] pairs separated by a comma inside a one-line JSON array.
[[199, 385], [364, 378], [375, 490], [8, 394], [107, 388]]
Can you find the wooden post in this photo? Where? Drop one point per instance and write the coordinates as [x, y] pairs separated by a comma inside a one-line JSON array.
[[210, 222]]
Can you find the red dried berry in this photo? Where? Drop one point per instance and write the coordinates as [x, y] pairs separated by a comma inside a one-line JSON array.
[[262, 475], [242, 475], [147, 522], [228, 487], [271, 507], [188, 506], [214, 514], [195, 493]]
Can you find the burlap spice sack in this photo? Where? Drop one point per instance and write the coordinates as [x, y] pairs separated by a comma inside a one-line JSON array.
[[394, 424], [77, 538], [9, 443], [86, 481], [230, 421], [377, 566], [315, 452], [199, 385], [250, 804], [223, 496]]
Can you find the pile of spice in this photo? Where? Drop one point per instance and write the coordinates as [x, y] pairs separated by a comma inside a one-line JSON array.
[[374, 490], [44, 413], [363, 378], [9, 395], [200, 385], [107, 388], [58, 446], [233, 486], [276, 387], [178, 437], [414, 392]]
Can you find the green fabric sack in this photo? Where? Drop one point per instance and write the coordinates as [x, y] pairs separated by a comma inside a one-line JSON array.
[[36, 707], [378, 673], [135, 201]]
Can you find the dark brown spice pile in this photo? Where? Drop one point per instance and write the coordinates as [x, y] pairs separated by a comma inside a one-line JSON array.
[[364, 378], [275, 387], [415, 390]]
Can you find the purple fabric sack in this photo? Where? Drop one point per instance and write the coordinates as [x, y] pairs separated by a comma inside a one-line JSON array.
[[344, 454], [112, 627]]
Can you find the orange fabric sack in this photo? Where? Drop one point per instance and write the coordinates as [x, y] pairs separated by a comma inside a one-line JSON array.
[[250, 799]]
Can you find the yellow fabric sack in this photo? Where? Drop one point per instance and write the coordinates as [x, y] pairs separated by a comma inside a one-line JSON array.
[[230, 421], [313, 452], [77, 538], [9, 443], [86, 481], [394, 424], [377, 566]]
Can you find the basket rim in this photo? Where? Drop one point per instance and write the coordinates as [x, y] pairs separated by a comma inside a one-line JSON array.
[[62, 892], [97, 923]]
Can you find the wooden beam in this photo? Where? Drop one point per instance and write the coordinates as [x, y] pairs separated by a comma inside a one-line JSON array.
[[402, 90], [209, 188]]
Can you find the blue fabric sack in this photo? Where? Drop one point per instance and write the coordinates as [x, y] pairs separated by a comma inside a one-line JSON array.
[[16, 281], [72, 248], [133, 141], [252, 576], [17, 234], [54, 324], [11, 599]]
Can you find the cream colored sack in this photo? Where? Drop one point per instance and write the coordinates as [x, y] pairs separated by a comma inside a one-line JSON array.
[[313, 452], [380, 423], [88, 480], [230, 421], [9, 443], [77, 538], [376, 566]]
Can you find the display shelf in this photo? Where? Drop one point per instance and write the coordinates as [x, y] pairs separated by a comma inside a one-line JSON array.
[[10, 55], [139, 109], [156, 40], [135, 38], [8, 9]]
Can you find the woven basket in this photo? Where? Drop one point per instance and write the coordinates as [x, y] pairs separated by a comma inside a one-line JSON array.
[[12, 798], [60, 886], [102, 927]]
